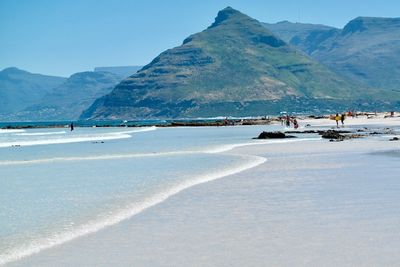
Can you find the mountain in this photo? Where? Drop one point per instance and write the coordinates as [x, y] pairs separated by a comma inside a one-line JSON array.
[[234, 67], [20, 89], [296, 32], [123, 71], [367, 49], [68, 100]]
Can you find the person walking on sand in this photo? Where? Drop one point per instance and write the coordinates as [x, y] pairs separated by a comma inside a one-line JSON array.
[[342, 118], [287, 121], [337, 119], [72, 126], [295, 124]]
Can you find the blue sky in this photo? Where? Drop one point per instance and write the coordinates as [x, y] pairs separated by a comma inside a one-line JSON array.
[[61, 37]]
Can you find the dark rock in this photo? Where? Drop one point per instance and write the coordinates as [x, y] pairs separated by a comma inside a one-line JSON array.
[[336, 140], [394, 139], [333, 135], [194, 123], [320, 132], [303, 132], [339, 136], [340, 131], [274, 135]]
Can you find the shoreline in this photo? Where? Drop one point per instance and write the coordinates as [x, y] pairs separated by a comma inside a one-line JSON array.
[[198, 122]]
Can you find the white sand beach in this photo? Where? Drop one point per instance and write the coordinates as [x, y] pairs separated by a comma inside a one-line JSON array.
[[312, 203], [369, 119]]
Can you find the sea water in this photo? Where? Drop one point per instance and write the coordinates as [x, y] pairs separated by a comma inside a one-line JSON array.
[[57, 184]]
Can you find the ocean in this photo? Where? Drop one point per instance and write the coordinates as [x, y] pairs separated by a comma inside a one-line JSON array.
[[57, 184]]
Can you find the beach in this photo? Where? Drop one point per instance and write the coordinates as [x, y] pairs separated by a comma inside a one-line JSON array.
[[302, 202]]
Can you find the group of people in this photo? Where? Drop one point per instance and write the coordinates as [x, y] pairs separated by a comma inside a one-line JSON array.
[[340, 118], [291, 121], [288, 121]]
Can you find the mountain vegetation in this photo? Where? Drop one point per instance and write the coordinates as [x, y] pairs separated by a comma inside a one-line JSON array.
[[234, 67]]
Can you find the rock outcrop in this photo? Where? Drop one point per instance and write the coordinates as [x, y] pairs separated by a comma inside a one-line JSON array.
[[274, 135]]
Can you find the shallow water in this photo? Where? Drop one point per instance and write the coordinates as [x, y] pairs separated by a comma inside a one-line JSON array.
[[56, 185]]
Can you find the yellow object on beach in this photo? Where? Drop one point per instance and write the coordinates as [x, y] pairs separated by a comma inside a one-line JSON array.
[[334, 118]]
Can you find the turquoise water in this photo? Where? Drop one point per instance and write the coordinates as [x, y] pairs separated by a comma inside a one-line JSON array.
[[56, 185]]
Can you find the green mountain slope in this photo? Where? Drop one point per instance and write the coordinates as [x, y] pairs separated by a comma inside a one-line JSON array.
[[20, 89], [366, 50], [234, 67]]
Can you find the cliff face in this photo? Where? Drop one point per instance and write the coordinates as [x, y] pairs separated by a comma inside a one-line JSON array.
[[234, 67]]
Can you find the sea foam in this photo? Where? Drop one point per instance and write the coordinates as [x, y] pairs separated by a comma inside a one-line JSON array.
[[41, 133], [211, 150], [6, 131], [77, 139]]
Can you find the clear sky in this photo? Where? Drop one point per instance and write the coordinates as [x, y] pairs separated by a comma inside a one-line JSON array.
[[61, 37]]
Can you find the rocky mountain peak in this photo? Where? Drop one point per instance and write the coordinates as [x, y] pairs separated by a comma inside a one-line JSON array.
[[12, 70], [227, 14], [355, 25], [361, 24]]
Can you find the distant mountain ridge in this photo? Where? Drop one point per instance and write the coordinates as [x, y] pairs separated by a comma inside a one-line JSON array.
[[25, 96], [234, 67], [295, 32], [367, 49], [123, 71], [68, 100], [20, 89]]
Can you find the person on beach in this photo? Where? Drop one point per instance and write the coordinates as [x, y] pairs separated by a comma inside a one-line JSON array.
[[72, 126], [342, 118], [295, 124], [287, 121], [337, 119], [350, 114]]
